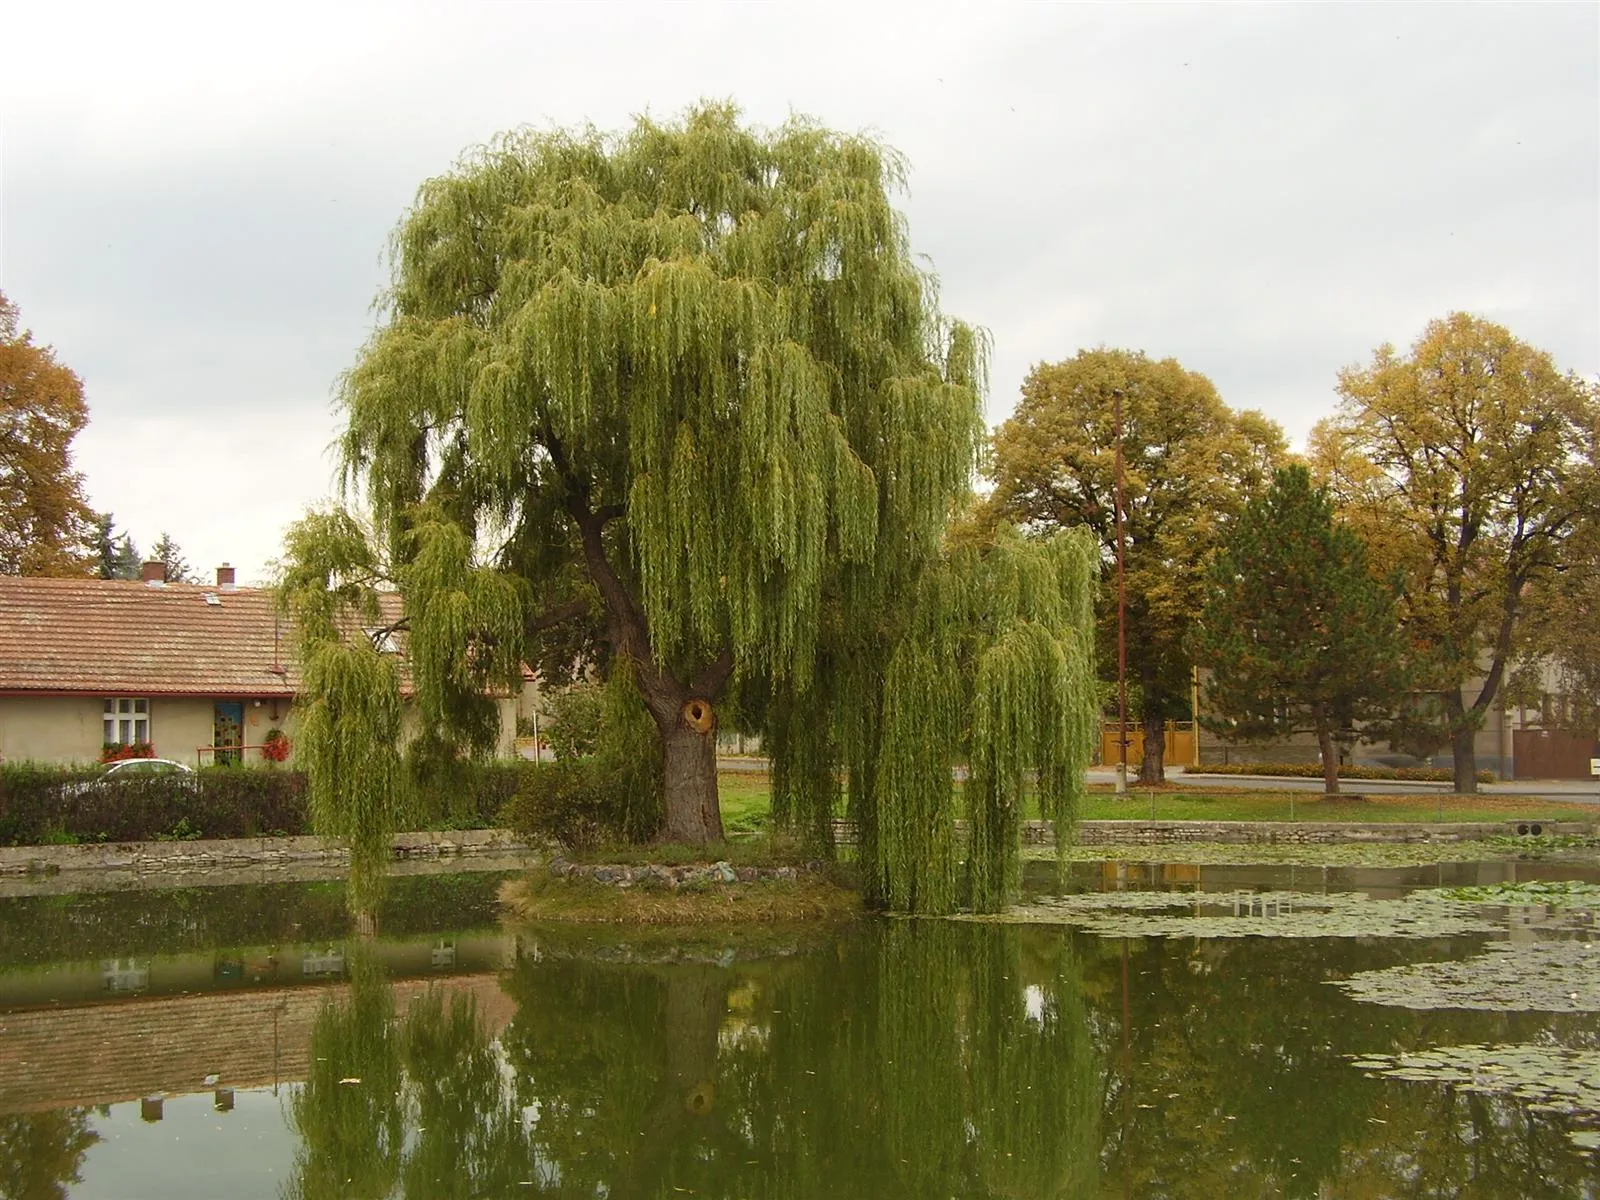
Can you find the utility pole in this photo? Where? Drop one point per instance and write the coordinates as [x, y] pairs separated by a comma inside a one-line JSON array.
[[1122, 618]]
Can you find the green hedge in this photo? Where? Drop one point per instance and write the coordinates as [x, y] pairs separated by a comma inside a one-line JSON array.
[[576, 802], [1314, 771], [45, 804], [40, 804]]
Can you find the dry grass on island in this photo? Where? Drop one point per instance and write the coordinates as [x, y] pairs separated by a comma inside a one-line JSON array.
[[736, 883]]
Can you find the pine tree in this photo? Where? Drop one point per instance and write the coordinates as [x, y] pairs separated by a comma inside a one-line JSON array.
[[170, 555], [117, 558], [1298, 636]]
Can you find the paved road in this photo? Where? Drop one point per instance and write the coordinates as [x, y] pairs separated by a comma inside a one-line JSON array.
[[1581, 791]]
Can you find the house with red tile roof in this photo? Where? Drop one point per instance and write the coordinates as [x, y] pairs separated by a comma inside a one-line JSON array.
[[199, 672]]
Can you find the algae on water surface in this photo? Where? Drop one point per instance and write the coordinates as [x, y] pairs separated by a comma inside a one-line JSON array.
[[1556, 976], [1553, 1079], [1254, 914]]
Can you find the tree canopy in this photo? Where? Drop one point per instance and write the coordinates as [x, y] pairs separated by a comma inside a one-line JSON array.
[[1471, 461], [46, 525], [1559, 644], [1189, 464], [1296, 633], [686, 390]]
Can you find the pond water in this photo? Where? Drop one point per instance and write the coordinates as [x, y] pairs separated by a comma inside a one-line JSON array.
[[235, 1041]]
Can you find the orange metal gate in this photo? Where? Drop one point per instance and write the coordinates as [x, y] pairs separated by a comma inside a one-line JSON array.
[[1177, 744]]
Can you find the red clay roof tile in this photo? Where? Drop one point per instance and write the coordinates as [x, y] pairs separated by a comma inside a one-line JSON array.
[[117, 637]]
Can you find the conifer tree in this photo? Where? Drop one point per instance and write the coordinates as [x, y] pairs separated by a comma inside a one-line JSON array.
[[117, 558], [687, 385], [170, 555], [1296, 633]]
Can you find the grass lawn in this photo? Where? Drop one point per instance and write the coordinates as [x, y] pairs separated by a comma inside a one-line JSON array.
[[747, 798]]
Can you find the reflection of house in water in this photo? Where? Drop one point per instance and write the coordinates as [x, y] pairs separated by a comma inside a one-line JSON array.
[[322, 962], [124, 975], [206, 1022]]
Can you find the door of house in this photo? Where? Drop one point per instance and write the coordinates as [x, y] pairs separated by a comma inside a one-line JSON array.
[[228, 732]]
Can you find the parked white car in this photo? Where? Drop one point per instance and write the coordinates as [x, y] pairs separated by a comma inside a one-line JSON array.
[[136, 768]]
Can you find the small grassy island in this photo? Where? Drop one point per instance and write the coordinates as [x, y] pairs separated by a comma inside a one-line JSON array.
[[744, 882]]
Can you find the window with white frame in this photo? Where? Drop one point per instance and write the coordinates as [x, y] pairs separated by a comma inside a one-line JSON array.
[[127, 721]]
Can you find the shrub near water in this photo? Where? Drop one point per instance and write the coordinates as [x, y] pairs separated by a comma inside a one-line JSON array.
[[1313, 770]]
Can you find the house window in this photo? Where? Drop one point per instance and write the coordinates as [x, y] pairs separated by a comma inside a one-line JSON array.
[[127, 721]]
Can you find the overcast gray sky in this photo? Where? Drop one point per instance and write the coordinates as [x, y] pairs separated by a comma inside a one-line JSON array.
[[194, 202]]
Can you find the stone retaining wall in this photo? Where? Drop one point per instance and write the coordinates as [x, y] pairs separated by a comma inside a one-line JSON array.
[[1102, 833], [656, 875], [209, 854]]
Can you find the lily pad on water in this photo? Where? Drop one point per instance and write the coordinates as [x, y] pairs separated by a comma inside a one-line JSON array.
[[1557, 893], [1253, 914], [1296, 854], [1561, 976], [1548, 1078]]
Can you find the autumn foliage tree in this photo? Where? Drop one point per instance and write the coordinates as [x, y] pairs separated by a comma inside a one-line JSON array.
[[46, 525], [1468, 464], [1189, 464], [1296, 634], [688, 386]]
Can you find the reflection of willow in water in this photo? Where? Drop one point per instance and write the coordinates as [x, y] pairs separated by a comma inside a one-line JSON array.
[[349, 1114], [41, 1153], [907, 1059], [935, 1060], [415, 1105]]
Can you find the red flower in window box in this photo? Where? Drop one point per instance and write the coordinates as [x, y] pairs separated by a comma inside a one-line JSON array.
[[117, 751]]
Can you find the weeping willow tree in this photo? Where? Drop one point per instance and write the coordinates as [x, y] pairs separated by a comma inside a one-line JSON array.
[[685, 388]]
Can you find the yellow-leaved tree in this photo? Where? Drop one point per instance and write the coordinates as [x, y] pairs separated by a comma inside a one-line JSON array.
[[1468, 463]]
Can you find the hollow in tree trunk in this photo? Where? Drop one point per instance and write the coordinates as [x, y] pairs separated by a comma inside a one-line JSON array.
[[689, 746], [1152, 767], [1330, 756]]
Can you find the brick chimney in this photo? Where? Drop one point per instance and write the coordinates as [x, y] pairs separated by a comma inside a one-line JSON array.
[[153, 572], [225, 577]]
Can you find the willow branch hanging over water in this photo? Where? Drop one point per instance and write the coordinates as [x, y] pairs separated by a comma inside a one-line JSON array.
[[687, 384]]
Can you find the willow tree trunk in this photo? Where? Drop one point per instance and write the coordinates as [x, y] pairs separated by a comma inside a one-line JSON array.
[[1330, 756], [691, 814], [1152, 767]]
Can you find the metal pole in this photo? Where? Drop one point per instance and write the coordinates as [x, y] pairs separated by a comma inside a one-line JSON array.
[[1122, 620]]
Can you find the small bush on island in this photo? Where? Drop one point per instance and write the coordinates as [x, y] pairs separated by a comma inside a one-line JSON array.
[[578, 803], [1314, 771]]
